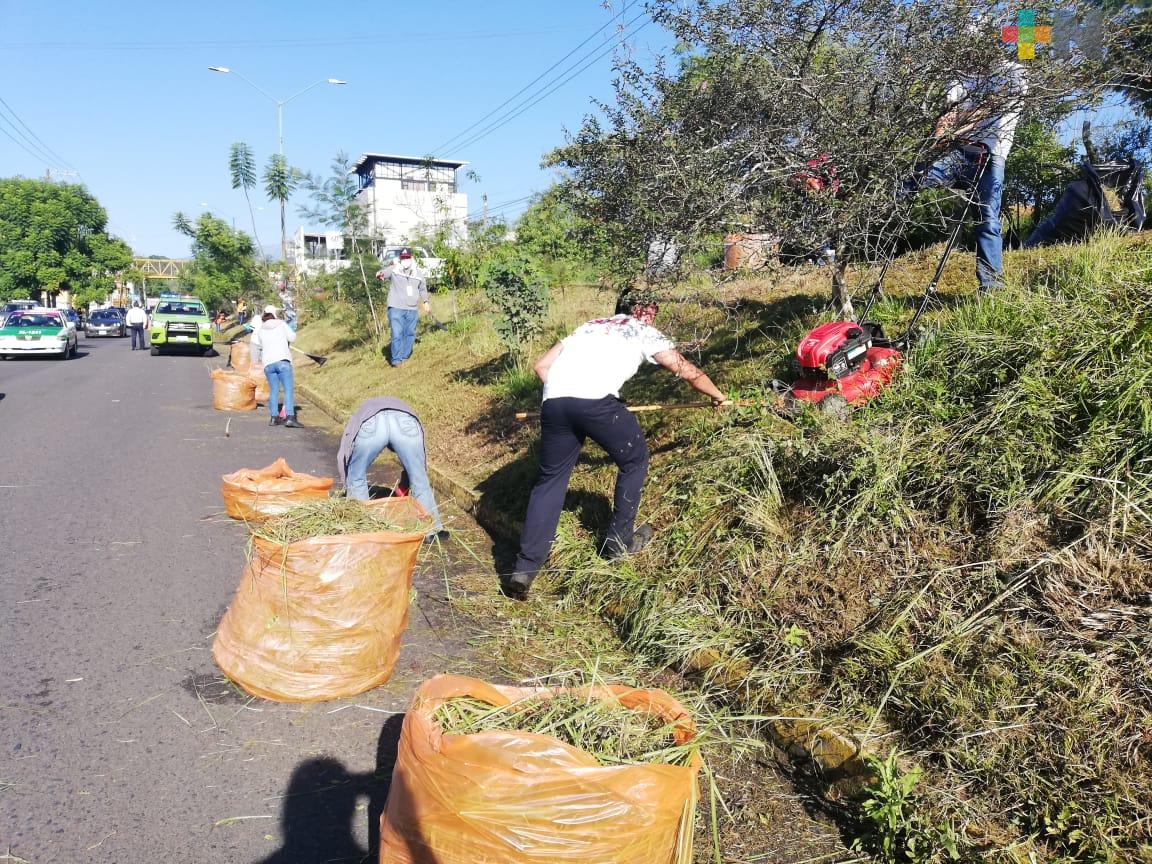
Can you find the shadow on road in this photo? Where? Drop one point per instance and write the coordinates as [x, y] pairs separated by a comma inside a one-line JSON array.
[[319, 813]]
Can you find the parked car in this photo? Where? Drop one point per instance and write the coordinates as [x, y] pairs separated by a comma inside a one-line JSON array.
[[105, 322], [38, 331], [430, 267]]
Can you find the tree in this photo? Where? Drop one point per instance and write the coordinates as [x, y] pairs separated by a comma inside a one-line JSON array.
[[1037, 172], [519, 291], [799, 118], [53, 237], [223, 266], [280, 181], [551, 228], [334, 205], [242, 166]]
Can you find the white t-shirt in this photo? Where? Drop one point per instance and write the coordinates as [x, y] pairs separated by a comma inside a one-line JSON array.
[[599, 356], [995, 132], [272, 337]]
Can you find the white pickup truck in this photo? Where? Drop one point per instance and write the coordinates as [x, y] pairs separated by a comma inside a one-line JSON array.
[[430, 267]]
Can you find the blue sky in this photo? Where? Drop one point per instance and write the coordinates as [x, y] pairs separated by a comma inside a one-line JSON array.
[[121, 92]]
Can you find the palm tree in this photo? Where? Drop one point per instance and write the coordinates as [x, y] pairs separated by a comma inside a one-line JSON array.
[[242, 165], [280, 180]]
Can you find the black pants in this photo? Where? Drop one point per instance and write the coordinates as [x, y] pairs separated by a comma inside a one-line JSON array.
[[137, 334], [564, 425]]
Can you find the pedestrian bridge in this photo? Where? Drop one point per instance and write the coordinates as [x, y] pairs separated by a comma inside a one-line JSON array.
[[160, 268]]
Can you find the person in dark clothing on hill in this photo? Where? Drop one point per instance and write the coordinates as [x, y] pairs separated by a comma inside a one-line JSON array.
[[582, 376]]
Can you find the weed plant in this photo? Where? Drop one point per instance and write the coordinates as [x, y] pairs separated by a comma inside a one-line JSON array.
[[963, 568]]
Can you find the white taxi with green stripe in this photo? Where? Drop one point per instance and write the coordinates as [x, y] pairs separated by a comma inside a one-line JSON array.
[[38, 331]]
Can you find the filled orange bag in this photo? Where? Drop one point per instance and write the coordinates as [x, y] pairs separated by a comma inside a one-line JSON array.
[[322, 618], [519, 797], [263, 390], [232, 392], [255, 494], [240, 357]]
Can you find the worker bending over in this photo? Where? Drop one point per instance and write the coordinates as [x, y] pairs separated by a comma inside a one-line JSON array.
[[582, 377]]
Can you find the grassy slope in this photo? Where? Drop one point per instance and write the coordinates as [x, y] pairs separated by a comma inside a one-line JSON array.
[[960, 570]]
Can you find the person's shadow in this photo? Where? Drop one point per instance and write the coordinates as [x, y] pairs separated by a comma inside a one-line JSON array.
[[318, 817]]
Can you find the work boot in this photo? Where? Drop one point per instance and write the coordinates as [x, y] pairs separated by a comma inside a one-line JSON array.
[[292, 424], [441, 535], [517, 586], [275, 421], [641, 537]]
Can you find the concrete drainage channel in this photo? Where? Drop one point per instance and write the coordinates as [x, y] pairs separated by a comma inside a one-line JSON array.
[[837, 758]]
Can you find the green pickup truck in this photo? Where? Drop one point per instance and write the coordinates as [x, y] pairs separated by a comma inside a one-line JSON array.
[[180, 322]]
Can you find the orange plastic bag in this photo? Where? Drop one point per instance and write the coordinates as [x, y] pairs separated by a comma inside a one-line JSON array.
[[232, 392], [255, 494], [263, 390], [240, 357], [522, 798], [322, 618]]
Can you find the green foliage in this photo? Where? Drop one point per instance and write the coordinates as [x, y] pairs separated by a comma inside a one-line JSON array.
[[519, 291], [53, 237], [1038, 169], [224, 266], [280, 179], [242, 166], [550, 229], [893, 828]]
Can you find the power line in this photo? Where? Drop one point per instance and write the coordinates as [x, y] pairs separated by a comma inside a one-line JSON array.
[[42, 146], [509, 116], [496, 208], [37, 156], [596, 33]]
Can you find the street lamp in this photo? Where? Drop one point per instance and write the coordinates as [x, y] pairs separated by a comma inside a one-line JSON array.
[[280, 103]]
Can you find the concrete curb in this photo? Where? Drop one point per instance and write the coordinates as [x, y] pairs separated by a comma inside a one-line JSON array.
[[837, 757]]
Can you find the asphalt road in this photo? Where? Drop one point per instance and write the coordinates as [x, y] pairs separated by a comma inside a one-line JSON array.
[[119, 740]]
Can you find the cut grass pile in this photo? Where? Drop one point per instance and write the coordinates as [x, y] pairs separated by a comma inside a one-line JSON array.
[[613, 734], [331, 517]]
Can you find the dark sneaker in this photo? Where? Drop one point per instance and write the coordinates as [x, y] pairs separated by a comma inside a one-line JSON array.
[[517, 586], [275, 421], [292, 424], [440, 535], [641, 537]]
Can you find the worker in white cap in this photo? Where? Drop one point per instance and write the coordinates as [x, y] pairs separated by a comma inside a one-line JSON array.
[[273, 337]]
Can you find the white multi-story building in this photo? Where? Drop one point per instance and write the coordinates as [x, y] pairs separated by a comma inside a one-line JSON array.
[[315, 252], [405, 196]]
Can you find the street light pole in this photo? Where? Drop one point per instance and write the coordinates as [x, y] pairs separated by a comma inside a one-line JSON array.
[[280, 103]]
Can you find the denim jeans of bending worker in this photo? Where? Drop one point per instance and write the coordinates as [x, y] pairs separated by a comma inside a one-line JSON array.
[[400, 432], [953, 169], [564, 426], [402, 324], [279, 375]]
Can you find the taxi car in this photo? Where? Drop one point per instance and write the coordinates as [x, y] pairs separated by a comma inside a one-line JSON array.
[[38, 331]]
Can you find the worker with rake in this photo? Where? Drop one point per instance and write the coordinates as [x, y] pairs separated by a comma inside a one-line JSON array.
[[582, 376]]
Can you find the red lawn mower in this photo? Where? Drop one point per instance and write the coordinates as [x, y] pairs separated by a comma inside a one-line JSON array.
[[844, 363]]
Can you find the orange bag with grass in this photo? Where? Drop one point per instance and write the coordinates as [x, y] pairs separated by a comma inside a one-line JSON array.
[[255, 494], [322, 618], [232, 392], [524, 798], [240, 357]]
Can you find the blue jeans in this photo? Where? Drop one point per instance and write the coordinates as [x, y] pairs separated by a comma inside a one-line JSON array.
[[402, 323], [401, 433], [279, 375], [951, 170]]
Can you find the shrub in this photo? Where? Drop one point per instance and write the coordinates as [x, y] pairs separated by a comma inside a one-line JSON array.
[[519, 290]]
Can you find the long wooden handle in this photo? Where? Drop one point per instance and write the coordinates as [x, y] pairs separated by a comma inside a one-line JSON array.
[[639, 409]]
